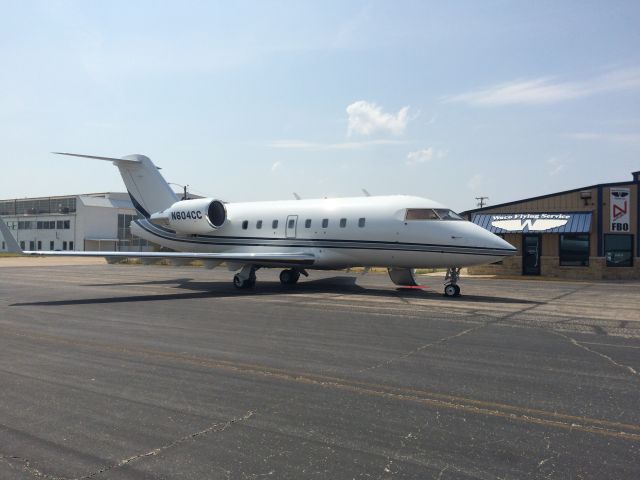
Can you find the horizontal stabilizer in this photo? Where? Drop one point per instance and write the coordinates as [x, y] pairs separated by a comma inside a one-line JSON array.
[[109, 159]]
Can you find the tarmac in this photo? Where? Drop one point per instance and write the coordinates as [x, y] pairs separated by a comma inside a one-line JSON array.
[[158, 372]]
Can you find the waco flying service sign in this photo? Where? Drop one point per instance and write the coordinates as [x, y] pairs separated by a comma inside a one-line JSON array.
[[579, 222]]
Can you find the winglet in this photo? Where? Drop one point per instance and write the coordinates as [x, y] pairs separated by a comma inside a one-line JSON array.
[[12, 245]]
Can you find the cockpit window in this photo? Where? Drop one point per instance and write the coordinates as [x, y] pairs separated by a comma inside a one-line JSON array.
[[446, 214], [431, 214], [420, 214]]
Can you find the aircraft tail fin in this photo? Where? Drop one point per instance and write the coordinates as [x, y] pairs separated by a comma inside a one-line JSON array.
[[149, 191], [12, 244]]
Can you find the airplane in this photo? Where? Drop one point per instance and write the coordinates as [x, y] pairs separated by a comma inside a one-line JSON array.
[[398, 232]]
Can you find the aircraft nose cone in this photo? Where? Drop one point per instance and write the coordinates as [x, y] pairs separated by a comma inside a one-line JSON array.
[[491, 240]]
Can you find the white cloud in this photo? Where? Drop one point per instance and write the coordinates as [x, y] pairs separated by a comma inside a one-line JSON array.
[[556, 165], [420, 156], [546, 90], [276, 165], [305, 145], [367, 118]]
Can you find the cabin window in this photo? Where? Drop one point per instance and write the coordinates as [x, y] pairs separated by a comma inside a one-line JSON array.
[[307, 223], [325, 222], [291, 224], [274, 224], [420, 214], [343, 222], [259, 224], [245, 224], [361, 222], [446, 214]]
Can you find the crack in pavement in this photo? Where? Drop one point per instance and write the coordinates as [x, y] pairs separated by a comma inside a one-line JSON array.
[[216, 427], [573, 341], [27, 467], [468, 330]]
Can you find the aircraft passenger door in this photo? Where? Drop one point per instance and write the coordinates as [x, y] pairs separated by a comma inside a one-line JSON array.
[[292, 225]]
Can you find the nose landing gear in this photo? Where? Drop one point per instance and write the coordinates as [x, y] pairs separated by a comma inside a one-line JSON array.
[[451, 287]]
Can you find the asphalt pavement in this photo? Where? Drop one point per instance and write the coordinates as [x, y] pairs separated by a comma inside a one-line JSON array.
[[155, 372]]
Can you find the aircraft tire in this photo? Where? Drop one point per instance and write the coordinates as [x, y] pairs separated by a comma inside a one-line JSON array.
[[452, 290], [239, 283], [289, 277]]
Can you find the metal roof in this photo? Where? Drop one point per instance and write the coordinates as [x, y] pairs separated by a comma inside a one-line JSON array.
[[557, 222]]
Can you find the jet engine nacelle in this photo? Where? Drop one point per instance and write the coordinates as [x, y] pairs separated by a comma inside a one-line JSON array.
[[197, 216]]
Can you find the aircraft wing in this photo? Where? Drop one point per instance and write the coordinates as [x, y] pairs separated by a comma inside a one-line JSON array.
[[259, 258], [271, 258]]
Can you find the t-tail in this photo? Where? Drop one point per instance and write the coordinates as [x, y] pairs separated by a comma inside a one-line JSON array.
[[148, 190]]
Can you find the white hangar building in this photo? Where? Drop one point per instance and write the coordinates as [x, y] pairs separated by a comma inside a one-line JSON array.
[[93, 221]]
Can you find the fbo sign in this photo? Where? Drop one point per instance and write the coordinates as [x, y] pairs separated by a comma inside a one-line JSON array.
[[619, 201]]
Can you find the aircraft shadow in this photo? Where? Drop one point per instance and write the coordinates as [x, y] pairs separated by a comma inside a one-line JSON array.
[[337, 285]]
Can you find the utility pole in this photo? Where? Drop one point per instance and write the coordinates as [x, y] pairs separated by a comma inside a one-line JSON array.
[[481, 201]]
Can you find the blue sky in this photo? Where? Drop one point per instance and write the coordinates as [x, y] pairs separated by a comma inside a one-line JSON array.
[[256, 100]]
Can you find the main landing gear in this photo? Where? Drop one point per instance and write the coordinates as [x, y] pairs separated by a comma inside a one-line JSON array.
[[451, 287], [246, 278], [291, 276]]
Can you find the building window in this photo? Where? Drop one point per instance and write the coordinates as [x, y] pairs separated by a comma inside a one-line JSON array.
[[274, 224], [618, 250], [245, 224], [259, 224], [51, 245], [307, 223], [22, 245], [70, 245], [574, 250], [361, 222], [67, 224], [59, 225], [64, 245], [343, 222], [325, 222], [3, 245], [39, 244]]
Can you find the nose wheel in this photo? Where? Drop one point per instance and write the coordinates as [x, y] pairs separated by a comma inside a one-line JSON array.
[[451, 287]]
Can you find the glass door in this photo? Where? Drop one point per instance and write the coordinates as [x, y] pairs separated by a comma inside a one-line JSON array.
[[531, 254]]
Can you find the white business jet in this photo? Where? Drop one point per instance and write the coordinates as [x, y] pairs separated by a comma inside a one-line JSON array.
[[398, 232]]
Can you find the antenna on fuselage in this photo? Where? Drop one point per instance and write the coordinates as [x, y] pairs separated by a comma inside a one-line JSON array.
[[366, 193], [297, 196]]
